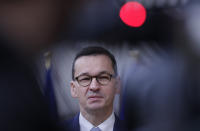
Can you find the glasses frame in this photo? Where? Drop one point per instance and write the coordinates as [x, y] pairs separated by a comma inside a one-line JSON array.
[[96, 77]]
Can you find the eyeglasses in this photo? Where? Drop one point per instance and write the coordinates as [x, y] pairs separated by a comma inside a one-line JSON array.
[[85, 80]]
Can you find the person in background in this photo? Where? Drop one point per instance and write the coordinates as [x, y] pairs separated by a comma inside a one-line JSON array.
[[27, 27]]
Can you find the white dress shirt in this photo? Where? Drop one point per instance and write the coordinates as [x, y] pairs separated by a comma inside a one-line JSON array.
[[107, 125]]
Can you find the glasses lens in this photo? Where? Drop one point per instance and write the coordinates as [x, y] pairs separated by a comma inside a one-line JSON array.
[[104, 79], [84, 80]]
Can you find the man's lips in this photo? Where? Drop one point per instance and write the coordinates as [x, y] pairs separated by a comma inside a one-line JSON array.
[[95, 97]]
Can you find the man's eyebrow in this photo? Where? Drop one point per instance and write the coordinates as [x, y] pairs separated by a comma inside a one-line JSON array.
[[104, 72], [83, 74]]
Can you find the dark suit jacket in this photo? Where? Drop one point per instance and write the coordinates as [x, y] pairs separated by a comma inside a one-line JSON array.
[[73, 124]]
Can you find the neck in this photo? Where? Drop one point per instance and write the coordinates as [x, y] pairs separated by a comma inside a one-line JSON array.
[[96, 117]]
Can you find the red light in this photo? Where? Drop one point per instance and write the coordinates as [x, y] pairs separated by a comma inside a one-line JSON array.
[[133, 14]]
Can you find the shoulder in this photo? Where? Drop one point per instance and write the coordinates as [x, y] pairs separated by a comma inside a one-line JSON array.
[[71, 124], [119, 125]]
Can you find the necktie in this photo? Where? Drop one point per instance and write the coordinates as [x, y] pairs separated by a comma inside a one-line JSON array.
[[95, 129]]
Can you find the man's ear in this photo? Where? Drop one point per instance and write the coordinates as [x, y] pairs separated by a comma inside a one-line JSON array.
[[73, 89], [118, 85]]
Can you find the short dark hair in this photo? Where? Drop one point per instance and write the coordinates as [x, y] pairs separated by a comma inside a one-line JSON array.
[[92, 51]]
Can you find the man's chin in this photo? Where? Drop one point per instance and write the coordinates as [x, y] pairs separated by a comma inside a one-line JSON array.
[[95, 106]]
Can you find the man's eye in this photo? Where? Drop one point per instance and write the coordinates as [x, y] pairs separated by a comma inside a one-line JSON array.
[[84, 79], [103, 77]]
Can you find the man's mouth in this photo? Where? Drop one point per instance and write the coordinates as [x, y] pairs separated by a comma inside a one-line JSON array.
[[95, 97]]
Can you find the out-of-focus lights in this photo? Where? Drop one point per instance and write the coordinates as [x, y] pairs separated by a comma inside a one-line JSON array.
[[133, 14]]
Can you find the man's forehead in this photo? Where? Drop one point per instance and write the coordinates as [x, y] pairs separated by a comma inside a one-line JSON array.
[[93, 57], [93, 64]]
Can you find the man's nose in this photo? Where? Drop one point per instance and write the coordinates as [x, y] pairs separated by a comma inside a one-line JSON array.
[[94, 85]]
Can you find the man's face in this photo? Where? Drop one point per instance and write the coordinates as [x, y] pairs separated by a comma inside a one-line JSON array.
[[94, 96]]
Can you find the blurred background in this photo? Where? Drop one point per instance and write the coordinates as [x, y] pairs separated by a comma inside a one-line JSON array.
[[158, 62]]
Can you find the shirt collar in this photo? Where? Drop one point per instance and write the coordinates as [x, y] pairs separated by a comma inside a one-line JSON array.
[[85, 125], [107, 125]]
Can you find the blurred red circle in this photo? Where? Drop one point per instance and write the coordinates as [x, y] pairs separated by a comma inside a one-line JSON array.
[[133, 14]]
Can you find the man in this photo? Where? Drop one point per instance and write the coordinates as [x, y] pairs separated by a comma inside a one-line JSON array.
[[94, 83]]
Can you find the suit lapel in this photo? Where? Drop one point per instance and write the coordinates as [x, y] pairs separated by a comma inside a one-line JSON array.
[[119, 125], [76, 126], [116, 124]]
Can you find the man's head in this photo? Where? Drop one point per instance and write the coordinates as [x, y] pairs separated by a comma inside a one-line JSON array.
[[95, 80]]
